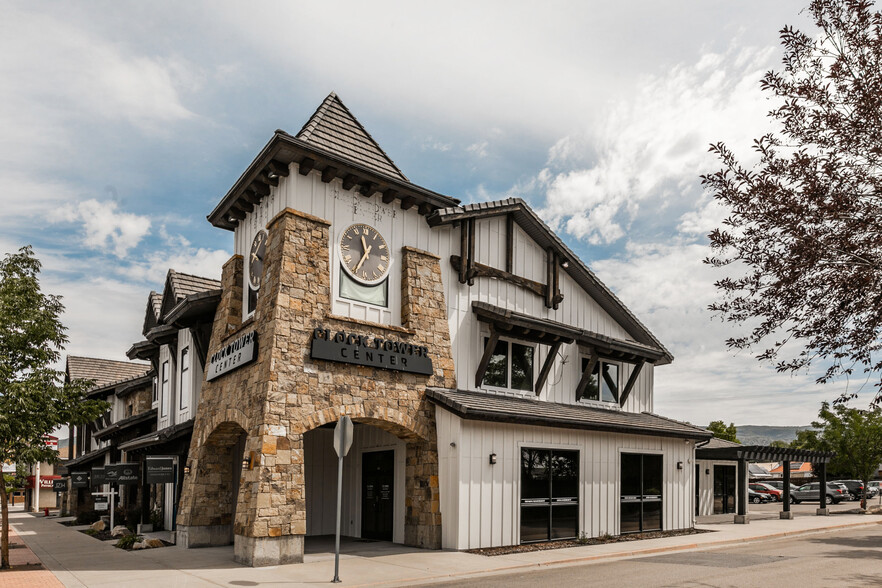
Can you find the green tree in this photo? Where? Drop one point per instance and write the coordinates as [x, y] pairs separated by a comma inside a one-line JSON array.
[[779, 443], [34, 400], [721, 431], [803, 231], [856, 437]]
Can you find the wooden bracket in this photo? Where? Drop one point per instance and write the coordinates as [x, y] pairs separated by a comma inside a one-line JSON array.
[[306, 166], [586, 376], [479, 270], [349, 181], [631, 381], [485, 359], [278, 168], [546, 366], [328, 174]]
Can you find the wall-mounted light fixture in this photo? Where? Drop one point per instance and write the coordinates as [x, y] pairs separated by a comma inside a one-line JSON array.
[[246, 463], [565, 264], [249, 462], [272, 175], [679, 465], [453, 444], [187, 470], [707, 471], [492, 458]]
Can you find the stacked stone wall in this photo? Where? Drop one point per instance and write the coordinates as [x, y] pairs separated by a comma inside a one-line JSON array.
[[285, 393]]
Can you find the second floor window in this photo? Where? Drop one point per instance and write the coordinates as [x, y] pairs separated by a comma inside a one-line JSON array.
[[604, 383], [165, 389], [510, 367], [184, 390]]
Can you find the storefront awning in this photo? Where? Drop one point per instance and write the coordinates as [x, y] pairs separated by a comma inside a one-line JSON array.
[[762, 453], [152, 441], [87, 459], [126, 424], [506, 409]]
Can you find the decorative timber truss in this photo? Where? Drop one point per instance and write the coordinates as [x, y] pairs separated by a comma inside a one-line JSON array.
[[502, 322]]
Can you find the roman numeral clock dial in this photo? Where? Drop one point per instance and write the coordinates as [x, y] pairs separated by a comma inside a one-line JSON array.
[[364, 254]]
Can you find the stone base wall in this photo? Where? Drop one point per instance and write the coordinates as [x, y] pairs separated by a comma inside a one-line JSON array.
[[285, 393]]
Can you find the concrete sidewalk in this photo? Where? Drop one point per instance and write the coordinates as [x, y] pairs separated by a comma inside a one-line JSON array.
[[78, 560]]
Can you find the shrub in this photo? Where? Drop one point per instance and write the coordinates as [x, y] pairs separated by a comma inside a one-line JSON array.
[[156, 519], [127, 541]]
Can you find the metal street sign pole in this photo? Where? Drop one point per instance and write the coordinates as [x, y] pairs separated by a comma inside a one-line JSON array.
[[342, 443]]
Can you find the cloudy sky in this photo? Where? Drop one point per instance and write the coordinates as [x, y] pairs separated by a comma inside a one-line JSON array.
[[123, 124]]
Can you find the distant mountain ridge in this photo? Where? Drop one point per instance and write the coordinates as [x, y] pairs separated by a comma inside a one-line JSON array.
[[765, 434]]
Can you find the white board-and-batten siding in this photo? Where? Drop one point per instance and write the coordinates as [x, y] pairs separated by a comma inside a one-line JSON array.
[[320, 472], [407, 228], [480, 502]]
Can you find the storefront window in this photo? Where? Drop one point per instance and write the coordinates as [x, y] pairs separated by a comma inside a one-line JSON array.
[[603, 384]]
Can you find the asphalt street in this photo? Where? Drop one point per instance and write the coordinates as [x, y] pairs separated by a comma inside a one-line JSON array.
[[850, 557]]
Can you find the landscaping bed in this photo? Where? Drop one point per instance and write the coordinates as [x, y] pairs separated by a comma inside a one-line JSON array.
[[100, 535], [546, 545]]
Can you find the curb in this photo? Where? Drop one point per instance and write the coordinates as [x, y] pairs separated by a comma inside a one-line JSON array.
[[625, 554]]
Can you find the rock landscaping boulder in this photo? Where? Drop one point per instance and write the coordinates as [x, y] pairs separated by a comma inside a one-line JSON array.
[[877, 509], [98, 526], [120, 531], [154, 543], [139, 545]]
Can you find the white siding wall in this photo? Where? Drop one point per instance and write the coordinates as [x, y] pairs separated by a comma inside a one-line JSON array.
[[321, 480], [481, 502], [407, 228], [706, 485], [194, 376], [167, 404]]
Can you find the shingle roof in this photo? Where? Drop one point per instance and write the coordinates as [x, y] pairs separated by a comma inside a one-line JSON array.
[[103, 371], [495, 407], [333, 128], [178, 286], [151, 314]]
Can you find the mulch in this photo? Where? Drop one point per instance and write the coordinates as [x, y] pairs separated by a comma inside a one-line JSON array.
[[546, 545], [100, 535]]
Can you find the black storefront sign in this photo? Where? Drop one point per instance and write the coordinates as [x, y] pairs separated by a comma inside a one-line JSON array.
[[98, 477], [59, 485], [123, 473], [79, 479], [370, 351], [159, 470]]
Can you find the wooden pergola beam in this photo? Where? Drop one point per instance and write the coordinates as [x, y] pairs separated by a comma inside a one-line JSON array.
[[632, 379]]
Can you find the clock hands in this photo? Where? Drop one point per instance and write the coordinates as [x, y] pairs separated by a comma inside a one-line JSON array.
[[363, 257]]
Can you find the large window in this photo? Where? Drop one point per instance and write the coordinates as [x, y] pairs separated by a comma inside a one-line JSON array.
[[184, 389], [641, 499], [604, 384], [164, 390], [510, 367], [549, 494]]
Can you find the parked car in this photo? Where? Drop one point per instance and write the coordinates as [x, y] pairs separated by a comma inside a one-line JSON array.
[[875, 486], [758, 497], [809, 493], [766, 489], [856, 488], [780, 485]]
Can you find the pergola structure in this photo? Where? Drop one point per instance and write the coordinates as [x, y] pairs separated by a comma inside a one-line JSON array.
[[747, 453]]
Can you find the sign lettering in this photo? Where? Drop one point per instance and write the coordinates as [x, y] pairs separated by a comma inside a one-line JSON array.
[[123, 473], [159, 470], [234, 355], [79, 479], [368, 351]]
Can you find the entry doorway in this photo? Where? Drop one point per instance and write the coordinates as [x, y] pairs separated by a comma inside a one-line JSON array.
[[641, 498], [549, 494], [377, 494], [724, 489]]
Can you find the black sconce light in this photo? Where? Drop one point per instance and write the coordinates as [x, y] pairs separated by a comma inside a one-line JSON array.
[[492, 458], [249, 462], [679, 465], [707, 471]]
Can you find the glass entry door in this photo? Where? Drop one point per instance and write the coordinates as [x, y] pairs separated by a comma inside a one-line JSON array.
[[724, 489], [549, 494], [641, 498]]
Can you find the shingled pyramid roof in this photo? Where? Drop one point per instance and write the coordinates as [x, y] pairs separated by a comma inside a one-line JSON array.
[[178, 286], [154, 307], [333, 128]]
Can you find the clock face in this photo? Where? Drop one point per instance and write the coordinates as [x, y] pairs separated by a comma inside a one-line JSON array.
[[255, 259], [364, 254]]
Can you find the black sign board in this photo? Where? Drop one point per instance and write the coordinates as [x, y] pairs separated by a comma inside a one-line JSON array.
[[59, 485], [79, 479], [159, 470], [98, 476], [231, 357], [370, 351], [123, 473]]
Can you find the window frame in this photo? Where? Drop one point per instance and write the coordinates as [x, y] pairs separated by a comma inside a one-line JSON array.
[[510, 364], [164, 386], [342, 276], [598, 367], [184, 390]]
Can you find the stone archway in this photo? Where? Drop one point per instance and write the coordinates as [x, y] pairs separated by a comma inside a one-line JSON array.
[[209, 501]]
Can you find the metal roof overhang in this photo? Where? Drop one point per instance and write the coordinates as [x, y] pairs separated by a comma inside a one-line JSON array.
[[506, 409], [86, 459], [142, 350], [529, 328], [126, 424], [193, 309], [285, 149], [763, 453], [158, 438]]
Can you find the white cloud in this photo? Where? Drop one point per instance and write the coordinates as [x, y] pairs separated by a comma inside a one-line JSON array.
[[651, 149], [103, 226], [207, 263]]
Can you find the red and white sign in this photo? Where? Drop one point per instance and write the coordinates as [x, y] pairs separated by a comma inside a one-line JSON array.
[[51, 441], [45, 481]]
